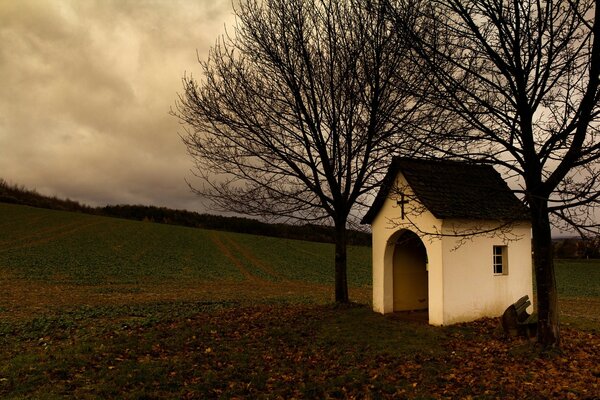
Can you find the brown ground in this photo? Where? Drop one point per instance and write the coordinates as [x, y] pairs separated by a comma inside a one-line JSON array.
[[20, 298]]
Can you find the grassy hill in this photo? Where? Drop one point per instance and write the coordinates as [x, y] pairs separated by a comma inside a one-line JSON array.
[[66, 247], [73, 248], [15, 194]]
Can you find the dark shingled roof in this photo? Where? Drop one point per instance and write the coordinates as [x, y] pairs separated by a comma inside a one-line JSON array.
[[452, 189]]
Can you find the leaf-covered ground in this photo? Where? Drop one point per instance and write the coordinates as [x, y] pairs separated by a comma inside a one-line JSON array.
[[220, 350]]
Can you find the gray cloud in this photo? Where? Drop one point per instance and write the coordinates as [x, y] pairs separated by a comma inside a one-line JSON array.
[[86, 90]]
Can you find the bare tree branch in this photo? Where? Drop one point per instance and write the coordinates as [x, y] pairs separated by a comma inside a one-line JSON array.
[[300, 110]]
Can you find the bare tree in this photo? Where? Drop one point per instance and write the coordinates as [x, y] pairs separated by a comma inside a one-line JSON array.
[[521, 79], [299, 111]]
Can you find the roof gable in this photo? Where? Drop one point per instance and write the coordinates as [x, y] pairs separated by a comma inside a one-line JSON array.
[[452, 189]]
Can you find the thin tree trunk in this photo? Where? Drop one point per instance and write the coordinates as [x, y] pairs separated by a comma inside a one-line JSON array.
[[341, 280], [547, 301]]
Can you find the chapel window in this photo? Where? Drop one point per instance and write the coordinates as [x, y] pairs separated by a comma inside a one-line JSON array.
[[500, 260]]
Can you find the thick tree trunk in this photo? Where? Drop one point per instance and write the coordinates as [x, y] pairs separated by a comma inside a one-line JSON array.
[[547, 302], [341, 280]]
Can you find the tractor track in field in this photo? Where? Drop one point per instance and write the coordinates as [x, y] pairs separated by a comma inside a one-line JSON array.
[[33, 221], [44, 236], [248, 255], [218, 239], [258, 284], [228, 246]]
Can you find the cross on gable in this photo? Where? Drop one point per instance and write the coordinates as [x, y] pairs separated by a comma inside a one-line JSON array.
[[401, 203]]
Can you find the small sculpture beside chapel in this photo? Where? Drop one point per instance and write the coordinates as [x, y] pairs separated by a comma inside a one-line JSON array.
[[448, 237]]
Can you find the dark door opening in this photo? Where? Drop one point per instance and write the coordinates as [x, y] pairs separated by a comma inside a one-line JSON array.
[[410, 273]]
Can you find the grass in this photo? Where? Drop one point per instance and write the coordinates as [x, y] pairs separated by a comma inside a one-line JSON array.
[[83, 249], [63, 247], [94, 307], [578, 278]]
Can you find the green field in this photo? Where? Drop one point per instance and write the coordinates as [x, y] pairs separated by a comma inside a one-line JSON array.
[[578, 278], [83, 249], [64, 247], [94, 307]]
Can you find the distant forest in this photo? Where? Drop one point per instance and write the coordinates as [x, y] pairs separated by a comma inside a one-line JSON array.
[[16, 194], [576, 247]]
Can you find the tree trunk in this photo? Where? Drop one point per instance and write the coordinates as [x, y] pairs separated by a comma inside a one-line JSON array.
[[341, 280], [548, 334]]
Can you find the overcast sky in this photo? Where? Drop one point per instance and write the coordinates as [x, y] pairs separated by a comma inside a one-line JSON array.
[[86, 87]]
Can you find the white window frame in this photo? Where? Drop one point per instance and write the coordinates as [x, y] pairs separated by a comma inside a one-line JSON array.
[[500, 260]]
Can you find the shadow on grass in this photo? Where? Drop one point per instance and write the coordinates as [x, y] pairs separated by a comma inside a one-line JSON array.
[[358, 327]]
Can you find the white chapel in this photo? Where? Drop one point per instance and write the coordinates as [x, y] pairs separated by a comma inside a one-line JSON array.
[[450, 238]]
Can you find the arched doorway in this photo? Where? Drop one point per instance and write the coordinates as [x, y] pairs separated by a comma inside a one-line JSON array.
[[410, 273]]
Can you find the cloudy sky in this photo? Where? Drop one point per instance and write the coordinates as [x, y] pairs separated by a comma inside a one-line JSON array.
[[86, 91]]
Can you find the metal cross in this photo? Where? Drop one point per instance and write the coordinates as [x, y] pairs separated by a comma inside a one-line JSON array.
[[401, 203]]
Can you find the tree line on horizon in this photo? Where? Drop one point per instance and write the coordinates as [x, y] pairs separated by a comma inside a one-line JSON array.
[[17, 194]]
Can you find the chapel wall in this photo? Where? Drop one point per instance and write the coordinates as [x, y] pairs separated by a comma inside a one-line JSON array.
[[471, 289]]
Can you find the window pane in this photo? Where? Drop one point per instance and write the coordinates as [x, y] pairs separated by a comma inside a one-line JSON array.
[[499, 259]]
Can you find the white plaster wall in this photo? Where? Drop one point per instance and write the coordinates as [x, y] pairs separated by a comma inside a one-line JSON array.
[[385, 229], [471, 290]]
